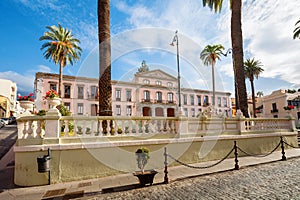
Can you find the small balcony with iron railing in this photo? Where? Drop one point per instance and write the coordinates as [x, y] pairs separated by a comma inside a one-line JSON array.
[[274, 110], [157, 101]]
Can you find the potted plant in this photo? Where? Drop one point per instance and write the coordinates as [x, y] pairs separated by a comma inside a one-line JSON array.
[[26, 102], [53, 99], [144, 176]]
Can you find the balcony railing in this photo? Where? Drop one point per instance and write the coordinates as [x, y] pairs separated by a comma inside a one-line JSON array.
[[274, 110]]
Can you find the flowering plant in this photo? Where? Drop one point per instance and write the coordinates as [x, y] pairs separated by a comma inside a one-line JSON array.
[[51, 94], [25, 98], [289, 107]]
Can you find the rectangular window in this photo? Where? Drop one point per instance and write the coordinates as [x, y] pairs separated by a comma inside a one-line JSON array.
[[118, 109], [128, 95], [94, 92], [67, 106], [118, 95], [192, 100], [185, 110], [146, 96], [199, 100], [80, 108], [128, 110], [94, 109], [158, 97], [80, 92], [158, 82], [67, 91], [205, 101], [53, 86], [193, 112], [184, 99], [224, 101], [170, 97], [219, 102], [274, 108]]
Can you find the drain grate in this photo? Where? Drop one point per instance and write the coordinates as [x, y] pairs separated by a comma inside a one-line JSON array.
[[54, 193], [85, 184], [73, 195]]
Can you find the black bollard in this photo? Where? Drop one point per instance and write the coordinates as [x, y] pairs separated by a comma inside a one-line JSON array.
[[282, 149], [236, 166], [166, 178]]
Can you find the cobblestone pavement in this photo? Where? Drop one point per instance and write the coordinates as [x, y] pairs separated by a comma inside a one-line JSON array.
[[277, 180]]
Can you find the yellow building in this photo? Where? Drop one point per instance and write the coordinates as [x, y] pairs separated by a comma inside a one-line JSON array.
[[8, 97]]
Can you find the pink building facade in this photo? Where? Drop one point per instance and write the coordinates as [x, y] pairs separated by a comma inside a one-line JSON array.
[[150, 93]]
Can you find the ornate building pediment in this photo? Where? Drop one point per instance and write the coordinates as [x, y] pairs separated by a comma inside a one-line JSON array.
[[156, 74]]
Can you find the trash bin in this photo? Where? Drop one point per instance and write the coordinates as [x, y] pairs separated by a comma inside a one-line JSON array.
[[43, 163]]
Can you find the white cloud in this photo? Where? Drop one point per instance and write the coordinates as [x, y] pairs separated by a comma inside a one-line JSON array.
[[24, 82]]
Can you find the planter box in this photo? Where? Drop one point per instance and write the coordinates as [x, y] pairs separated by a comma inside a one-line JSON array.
[[146, 177]]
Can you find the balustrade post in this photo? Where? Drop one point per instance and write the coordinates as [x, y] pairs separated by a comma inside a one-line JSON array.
[[241, 125], [52, 125], [183, 126]]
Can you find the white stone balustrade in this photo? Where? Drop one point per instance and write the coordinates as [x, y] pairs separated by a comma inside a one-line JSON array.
[[56, 126]]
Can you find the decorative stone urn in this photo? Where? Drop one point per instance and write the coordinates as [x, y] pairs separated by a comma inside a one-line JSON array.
[[53, 102], [27, 105]]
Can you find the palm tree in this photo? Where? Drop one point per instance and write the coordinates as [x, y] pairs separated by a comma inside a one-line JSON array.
[[297, 30], [260, 93], [209, 55], [252, 69], [61, 47], [237, 46], [105, 88]]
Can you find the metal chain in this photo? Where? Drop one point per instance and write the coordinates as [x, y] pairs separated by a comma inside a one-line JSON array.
[[290, 145], [200, 167], [264, 155]]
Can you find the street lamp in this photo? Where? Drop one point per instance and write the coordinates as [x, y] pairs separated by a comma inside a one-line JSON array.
[[230, 51], [175, 39]]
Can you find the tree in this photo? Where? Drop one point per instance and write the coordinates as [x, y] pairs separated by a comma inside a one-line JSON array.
[[209, 55], [252, 69], [260, 93], [105, 88], [297, 30], [237, 46], [61, 47]]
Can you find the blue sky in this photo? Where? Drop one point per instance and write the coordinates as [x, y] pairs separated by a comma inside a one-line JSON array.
[[143, 30]]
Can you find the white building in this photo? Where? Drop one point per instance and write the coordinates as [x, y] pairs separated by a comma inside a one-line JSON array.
[[8, 93]]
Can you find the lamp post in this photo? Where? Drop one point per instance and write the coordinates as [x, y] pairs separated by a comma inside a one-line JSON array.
[[175, 39], [230, 51]]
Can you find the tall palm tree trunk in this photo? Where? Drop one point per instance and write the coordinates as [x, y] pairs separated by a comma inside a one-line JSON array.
[[105, 88], [237, 46], [213, 85], [253, 98], [60, 78]]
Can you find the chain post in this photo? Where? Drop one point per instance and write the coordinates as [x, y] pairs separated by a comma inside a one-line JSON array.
[[282, 149], [166, 178], [236, 166]]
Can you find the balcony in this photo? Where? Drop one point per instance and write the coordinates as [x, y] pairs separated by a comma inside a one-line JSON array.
[[274, 110]]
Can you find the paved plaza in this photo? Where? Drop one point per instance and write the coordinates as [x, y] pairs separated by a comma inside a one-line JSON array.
[[276, 180]]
